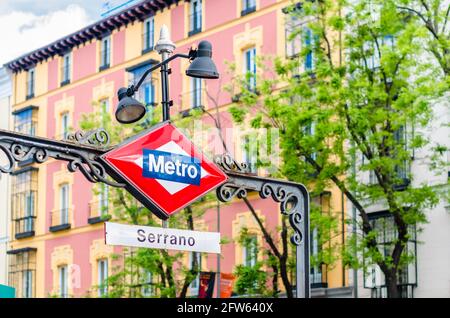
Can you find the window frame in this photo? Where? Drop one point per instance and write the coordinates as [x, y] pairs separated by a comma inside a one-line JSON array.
[[195, 18], [148, 35], [105, 52], [66, 68], [31, 83], [102, 276]]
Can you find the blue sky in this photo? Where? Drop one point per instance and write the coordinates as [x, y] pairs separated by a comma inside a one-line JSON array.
[[26, 25]]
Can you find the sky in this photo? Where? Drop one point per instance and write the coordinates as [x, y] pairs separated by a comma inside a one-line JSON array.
[[26, 25]]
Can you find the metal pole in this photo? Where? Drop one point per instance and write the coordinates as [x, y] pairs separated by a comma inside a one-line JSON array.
[[302, 251], [218, 255], [165, 88], [165, 48]]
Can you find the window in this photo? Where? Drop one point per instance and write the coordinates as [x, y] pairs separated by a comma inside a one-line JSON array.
[[196, 93], [386, 234], [22, 269], [195, 17], [105, 53], [65, 69], [308, 43], [250, 153], [402, 169], [103, 199], [25, 121], [293, 44], [196, 282], [64, 125], [250, 251], [248, 6], [64, 204], [147, 288], [148, 36], [63, 281], [250, 68], [30, 83], [104, 110], [373, 55], [146, 92], [27, 281], [24, 202], [309, 131], [102, 266]]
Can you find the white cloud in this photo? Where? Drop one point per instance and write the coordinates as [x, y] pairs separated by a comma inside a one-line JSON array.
[[23, 32]]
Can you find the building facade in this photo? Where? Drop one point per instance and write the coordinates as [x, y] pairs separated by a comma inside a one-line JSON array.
[[427, 276], [57, 242], [5, 107]]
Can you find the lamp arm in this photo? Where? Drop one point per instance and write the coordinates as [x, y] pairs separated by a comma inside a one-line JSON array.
[[132, 89]]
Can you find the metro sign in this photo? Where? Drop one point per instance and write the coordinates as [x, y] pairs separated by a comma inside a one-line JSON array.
[[162, 169]]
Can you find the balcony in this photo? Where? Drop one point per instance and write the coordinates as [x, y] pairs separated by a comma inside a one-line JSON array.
[[318, 277], [24, 227], [60, 220], [192, 100], [99, 211]]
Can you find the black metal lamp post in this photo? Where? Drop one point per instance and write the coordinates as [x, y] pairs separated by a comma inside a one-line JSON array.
[[129, 110]]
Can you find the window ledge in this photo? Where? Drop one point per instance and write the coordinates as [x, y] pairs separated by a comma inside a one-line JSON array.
[[149, 49], [60, 227], [103, 67], [193, 32], [63, 83], [22, 235], [99, 219], [319, 285], [248, 11], [403, 185]]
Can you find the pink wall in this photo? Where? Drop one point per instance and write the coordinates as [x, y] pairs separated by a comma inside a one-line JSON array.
[[80, 244], [265, 3], [119, 47], [53, 74], [84, 61], [218, 12], [177, 23]]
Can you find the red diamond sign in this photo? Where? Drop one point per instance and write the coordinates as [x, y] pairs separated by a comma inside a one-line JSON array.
[[163, 169]]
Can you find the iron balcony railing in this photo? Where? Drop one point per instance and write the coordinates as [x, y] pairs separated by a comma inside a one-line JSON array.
[[24, 227], [60, 220], [318, 276], [99, 211]]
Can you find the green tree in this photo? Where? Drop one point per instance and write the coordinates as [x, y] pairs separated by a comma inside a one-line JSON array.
[[355, 101]]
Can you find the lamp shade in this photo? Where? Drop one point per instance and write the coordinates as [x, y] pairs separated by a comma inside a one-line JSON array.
[[129, 110], [203, 66]]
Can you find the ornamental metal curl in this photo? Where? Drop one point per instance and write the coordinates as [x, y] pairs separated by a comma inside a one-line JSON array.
[[228, 164], [294, 203], [97, 137], [24, 148]]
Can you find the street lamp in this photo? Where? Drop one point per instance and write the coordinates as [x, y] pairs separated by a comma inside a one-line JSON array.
[[129, 110]]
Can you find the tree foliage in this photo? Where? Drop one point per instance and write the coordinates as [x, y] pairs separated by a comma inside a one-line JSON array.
[[361, 110]]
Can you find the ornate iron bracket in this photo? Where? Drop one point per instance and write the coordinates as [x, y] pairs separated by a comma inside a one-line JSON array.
[[24, 148], [82, 151], [293, 199]]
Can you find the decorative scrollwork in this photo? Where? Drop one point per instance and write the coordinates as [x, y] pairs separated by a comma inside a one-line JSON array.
[[10, 164], [97, 137], [227, 163], [295, 221], [228, 191], [20, 148]]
